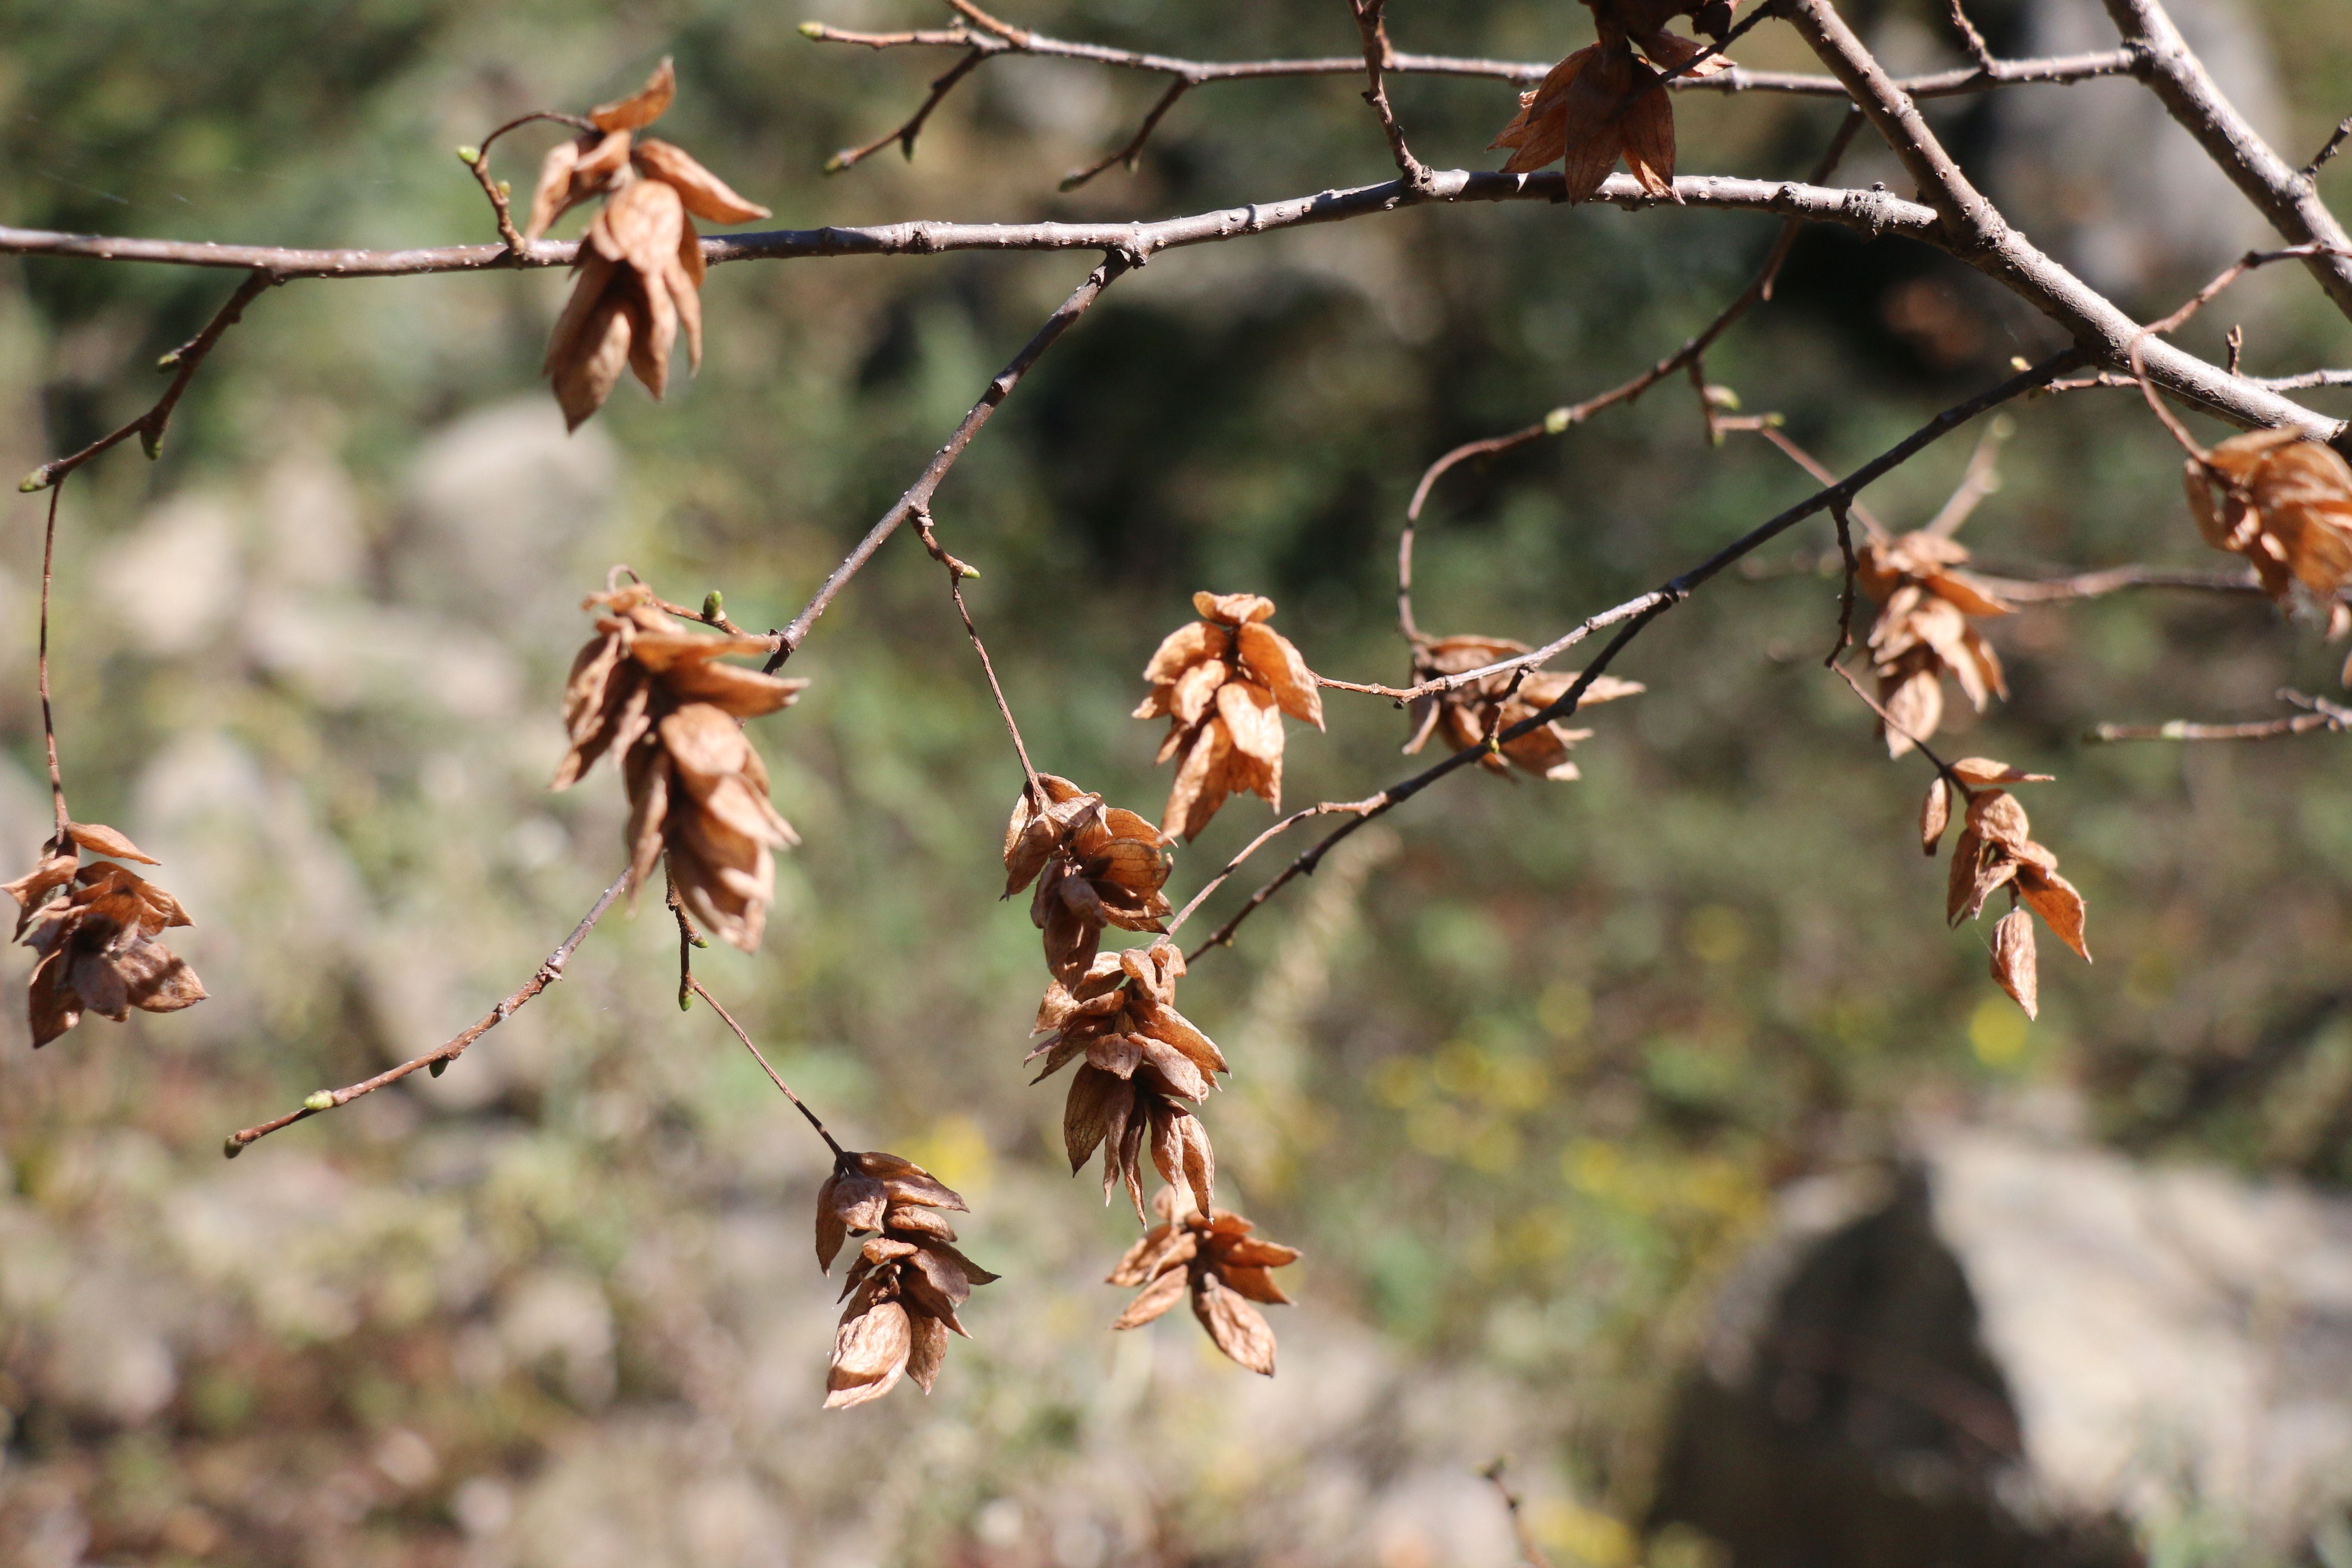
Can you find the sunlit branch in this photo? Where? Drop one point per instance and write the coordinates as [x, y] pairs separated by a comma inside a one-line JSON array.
[[438, 1058]]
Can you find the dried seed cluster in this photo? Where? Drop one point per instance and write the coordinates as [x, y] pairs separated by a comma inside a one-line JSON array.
[[1143, 1069], [97, 944], [1605, 103], [1093, 866], [1224, 683], [2284, 502], [1926, 602], [655, 695], [907, 1283], [638, 278], [1995, 850], [1214, 1260], [1495, 703]]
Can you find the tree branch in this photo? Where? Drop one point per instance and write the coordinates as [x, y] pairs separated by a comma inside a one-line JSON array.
[[441, 1056], [917, 500], [2287, 197], [1637, 614]]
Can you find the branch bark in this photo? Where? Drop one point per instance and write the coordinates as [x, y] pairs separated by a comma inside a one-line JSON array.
[[2287, 196]]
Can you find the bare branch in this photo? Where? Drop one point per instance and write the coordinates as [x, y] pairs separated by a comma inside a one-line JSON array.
[[1760, 289], [1971, 79], [183, 361], [441, 1056], [918, 497], [1371, 25], [1974, 232], [2287, 197], [729, 1019], [2321, 714], [49, 718], [2334, 145], [1868, 211], [957, 572], [1638, 613], [941, 84], [1133, 150]]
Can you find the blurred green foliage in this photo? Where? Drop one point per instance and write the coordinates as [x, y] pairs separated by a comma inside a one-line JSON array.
[[1530, 1079]]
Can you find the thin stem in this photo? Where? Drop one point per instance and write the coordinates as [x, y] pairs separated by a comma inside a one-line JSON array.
[[49, 718], [1371, 26], [1133, 151], [1116, 264], [2321, 714], [729, 1019], [1758, 289], [441, 1056], [185, 359], [957, 572], [2334, 145], [941, 84], [1982, 479], [1326, 808], [1638, 613]]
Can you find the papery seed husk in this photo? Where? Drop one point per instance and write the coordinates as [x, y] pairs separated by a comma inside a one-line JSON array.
[[2014, 962]]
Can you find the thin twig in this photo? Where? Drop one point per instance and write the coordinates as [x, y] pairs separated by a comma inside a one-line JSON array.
[[941, 84], [49, 718], [957, 572], [1371, 26], [1530, 1554], [1978, 50], [2334, 145], [1116, 264], [183, 361], [1846, 591], [1638, 613], [2321, 714], [729, 1019], [1982, 479], [1567, 416], [1133, 151], [1326, 808], [441, 1056], [1972, 78], [477, 159]]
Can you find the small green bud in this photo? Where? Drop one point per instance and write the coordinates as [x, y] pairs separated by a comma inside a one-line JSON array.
[[685, 1000], [713, 606], [812, 29], [231, 1148], [320, 1100], [39, 479], [701, 940], [437, 1068], [968, 569], [836, 164], [167, 362], [151, 442], [1556, 421], [469, 157], [506, 190]]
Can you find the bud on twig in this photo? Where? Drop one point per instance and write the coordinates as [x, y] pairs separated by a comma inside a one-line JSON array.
[[812, 29], [469, 157], [713, 606]]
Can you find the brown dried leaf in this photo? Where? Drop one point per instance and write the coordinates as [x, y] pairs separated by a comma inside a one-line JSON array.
[[641, 108], [2012, 960], [705, 193], [1239, 1329], [101, 839], [2061, 907], [870, 1351], [1934, 812], [1163, 1292], [1979, 772]]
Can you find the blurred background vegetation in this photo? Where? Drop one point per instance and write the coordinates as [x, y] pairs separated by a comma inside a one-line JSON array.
[[1520, 1072]]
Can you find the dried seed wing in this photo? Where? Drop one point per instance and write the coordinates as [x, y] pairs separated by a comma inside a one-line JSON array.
[[1180, 649], [706, 195], [1934, 812], [869, 1353], [554, 193], [926, 1349], [101, 839], [641, 108], [1237, 1327], [1157, 1297], [1648, 128], [2013, 962], [2061, 907], [1276, 662], [1250, 718], [1087, 1113], [1979, 771]]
